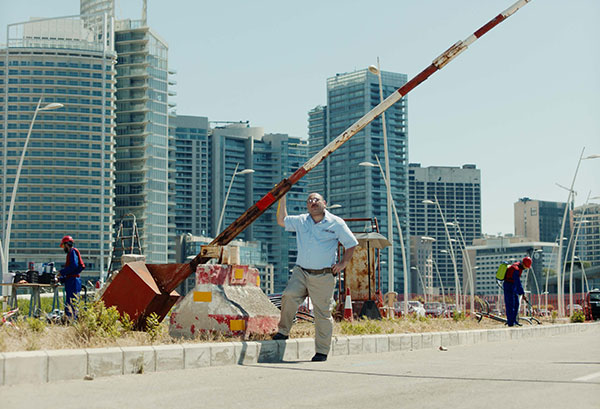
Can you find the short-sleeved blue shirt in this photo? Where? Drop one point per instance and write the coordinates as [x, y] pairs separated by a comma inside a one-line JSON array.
[[317, 242]]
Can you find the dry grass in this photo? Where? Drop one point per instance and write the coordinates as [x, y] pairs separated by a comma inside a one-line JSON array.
[[29, 335]]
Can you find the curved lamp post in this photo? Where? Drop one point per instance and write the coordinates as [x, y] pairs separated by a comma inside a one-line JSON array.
[[4, 252], [386, 158], [559, 269], [432, 261], [235, 172], [404, 262], [468, 262], [452, 256]]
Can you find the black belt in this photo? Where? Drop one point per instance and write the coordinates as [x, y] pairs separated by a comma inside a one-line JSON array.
[[326, 270]]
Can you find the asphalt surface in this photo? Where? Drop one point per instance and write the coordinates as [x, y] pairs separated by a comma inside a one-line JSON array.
[[562, 371]]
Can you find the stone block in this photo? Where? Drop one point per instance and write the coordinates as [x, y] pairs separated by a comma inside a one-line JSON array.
[[339, 346], [445, 339], [453, 338], [436, 339], [355, 345], [168, 357], [1, 369], [223, 353], [382, 343], [306, 348], [138, 359], [105, 361], [369, 344], [25, 367], [426, 340], [416, 341], [289, 350], [245, 353], [66, 364]]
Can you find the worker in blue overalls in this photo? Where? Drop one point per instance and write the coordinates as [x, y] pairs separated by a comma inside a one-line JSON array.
[[69, 275], [513, 289]]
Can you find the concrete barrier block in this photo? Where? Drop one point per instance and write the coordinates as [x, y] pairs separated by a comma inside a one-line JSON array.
[[493, 335], [25, 367], [105, 361], [445, 339], [66, 364], [436, 339], [355, 345], [168, 357], [395, 342], [453, 338], [515, 333], [246, 353], [196, 355], [416, 341], [382, 343], [339, 346], [479, 336], [462, 337], [306, 348], [138, 359], [1, 369], [223, 353], [289, 350], [369, 344], [426, 340]]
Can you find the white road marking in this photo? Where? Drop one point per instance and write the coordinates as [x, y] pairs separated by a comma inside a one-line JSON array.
[[588, 377]]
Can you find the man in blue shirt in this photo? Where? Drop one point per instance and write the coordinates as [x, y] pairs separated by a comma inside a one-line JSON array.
[[317, 235]]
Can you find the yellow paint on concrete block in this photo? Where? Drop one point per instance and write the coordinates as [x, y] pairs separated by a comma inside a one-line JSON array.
[[237, 325], [238, 273], [202, 296], [258, 281]]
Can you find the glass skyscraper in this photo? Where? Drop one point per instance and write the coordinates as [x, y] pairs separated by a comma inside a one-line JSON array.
[[66, 183], [361, 191], [142, 141]]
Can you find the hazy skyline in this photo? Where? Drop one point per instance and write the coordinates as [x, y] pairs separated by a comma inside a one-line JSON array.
[[520, 103]]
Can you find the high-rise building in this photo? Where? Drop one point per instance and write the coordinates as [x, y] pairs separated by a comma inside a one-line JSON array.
[[361, 191], [66, 182], [457, 193], [278, 156], [192, 175], [142, 149], [586, 222], [540, 220]]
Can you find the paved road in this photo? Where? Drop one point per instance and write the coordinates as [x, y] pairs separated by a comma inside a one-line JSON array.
[[556, 372]]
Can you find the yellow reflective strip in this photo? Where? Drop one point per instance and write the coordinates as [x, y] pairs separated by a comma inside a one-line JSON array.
[[237, 325], [202, 296], [258, 281], [238, 273]]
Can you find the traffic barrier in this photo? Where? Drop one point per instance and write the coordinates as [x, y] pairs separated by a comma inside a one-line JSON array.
[[226, 299], [348, 314]]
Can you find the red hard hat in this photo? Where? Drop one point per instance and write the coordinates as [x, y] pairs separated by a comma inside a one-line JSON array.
[[526, 262], [66, 239]]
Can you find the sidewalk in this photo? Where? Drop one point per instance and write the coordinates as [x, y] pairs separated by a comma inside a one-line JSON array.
[[34, 367]]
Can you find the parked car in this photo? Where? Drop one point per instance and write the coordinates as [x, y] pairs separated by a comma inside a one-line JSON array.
[[413, 307], [433, 309], [592, 305], [450, 308]]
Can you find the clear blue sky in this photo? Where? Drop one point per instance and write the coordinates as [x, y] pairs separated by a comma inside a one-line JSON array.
[[520, 103]]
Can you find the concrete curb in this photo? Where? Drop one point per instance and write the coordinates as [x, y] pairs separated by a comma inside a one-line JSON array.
[[33, 367]]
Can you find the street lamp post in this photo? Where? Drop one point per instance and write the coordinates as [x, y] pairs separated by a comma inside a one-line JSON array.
[[559, 269], [422, 282], [432, 261], [452, 257], [402, 248], [235, 172], [8, 226], [390, 224], [468, 262]]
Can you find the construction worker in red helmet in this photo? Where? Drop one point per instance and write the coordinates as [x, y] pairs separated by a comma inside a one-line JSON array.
[[69, 275], [513, 289]]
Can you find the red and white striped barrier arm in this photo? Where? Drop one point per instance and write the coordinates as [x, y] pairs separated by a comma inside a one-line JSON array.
[[285, 185]]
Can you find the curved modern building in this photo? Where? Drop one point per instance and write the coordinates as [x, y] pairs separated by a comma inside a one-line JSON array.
[[66, 185]]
